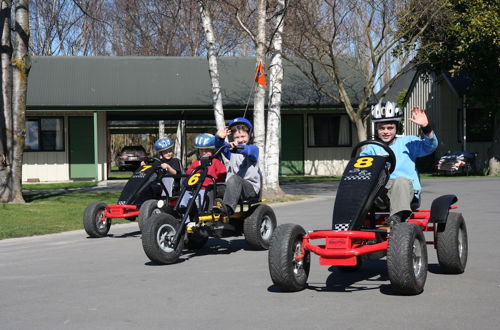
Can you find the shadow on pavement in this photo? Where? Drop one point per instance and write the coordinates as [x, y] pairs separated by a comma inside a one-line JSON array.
[[371, 276]]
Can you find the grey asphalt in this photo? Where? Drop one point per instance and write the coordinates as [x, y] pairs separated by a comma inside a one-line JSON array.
[[69, 281]]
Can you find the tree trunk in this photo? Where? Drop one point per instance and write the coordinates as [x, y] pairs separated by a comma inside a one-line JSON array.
[[361, 129], [260, 92], [271, 171], [494, 150], [12, 135], [212, 64], [21, 65]]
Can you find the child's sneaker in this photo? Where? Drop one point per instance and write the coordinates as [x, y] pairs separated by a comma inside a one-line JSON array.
[[221, 209]]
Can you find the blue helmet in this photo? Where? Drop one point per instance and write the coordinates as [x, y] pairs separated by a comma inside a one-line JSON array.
[[204, 141], [241, 121], [163, 144]]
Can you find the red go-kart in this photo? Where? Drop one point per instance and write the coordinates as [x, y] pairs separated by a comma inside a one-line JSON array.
[[358, 232], [135, 201]]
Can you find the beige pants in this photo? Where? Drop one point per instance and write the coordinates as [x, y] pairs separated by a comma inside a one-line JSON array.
[[400, 192]]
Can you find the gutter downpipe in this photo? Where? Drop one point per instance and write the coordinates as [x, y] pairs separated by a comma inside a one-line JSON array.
[[465, 123], [96, 145]]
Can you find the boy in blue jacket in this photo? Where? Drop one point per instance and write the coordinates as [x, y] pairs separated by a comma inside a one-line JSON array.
[[243, 177], [403, 183]]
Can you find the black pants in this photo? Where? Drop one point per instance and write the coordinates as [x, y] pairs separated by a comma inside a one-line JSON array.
[[236, 188]]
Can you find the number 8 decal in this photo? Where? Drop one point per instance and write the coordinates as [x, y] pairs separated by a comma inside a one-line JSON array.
[[194, 179], [364, 162]]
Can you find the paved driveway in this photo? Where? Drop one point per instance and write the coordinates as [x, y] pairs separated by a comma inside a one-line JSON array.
[[68, 281]]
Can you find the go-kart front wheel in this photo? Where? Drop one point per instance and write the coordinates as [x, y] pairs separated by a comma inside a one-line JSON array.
[[452, 244], [259, 226], [407, 258], [288, 265], [147, 209], [158, 239], [94, 220]]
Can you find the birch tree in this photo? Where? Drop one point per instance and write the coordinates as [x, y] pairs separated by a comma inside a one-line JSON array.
[[244, 8], [213, 70], [15, 64], [272, 146]]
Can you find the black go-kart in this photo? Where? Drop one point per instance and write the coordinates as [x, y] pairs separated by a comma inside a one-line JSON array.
[[358, 232], [165, 235], [132, 203]]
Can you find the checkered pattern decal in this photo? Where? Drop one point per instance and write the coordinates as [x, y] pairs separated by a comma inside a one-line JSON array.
[[341, 226], [357, 174]]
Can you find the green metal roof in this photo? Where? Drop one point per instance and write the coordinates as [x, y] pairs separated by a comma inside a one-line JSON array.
[[156, 83]]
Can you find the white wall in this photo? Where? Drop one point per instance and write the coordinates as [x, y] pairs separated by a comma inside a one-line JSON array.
[[50, 166]]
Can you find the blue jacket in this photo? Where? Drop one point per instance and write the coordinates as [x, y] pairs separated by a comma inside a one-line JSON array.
[[243, 162], [406, 149]]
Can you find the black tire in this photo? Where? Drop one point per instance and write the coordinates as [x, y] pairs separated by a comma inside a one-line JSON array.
[[147, 209], [91, 220], [287, 273], [195, 241], [407, 258], [259, 227], [451, 244], [156, 239]]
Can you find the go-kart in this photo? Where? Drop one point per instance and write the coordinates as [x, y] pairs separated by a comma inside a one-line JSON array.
[[131, 204], [165, 235], [359, 232]]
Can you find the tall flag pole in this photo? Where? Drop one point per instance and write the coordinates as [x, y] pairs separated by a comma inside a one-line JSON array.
[[260, 78]]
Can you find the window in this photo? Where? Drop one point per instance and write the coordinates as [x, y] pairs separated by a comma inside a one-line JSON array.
[[44, 134], [329, 131], [479, 125]]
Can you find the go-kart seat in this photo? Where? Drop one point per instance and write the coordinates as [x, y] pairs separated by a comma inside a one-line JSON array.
[[382, 203]]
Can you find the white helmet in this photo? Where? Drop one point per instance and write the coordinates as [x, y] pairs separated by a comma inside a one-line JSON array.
[[386, 111]]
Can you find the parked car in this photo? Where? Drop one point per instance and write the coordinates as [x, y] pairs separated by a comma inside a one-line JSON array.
[[460, 162], [129, 158]]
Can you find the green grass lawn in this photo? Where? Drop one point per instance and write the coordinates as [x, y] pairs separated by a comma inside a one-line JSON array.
[[64, 185], [48, 213], [299, 178]]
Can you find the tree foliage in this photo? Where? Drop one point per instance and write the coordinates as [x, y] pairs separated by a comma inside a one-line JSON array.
[[466, 40]]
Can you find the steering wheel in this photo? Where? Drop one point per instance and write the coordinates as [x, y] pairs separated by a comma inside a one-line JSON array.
[[391, 158]]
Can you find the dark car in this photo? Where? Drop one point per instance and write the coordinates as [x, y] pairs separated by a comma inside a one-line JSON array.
[[130, 157]]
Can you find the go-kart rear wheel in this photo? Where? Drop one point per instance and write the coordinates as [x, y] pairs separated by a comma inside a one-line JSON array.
[[195, 241], [147, 209], [94, 221], [451, 244], [288, 265], [259, 226], [157, 239], [407, 258]]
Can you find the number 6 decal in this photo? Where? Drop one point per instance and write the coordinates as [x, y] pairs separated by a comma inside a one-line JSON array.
[[364, 162], [194, 179]]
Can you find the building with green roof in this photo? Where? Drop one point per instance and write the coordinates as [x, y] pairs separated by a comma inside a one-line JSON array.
[[74, 104]]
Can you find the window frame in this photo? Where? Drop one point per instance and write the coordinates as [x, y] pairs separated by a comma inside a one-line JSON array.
[[41, 147], [338, 115]]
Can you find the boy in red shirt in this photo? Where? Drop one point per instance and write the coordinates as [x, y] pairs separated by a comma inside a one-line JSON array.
[[205, 143]]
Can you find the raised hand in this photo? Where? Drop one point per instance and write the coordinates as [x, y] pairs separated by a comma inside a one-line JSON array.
[[419, 117], [223, 133]]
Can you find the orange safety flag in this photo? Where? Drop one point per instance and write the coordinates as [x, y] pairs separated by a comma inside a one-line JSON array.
[[260, 77]]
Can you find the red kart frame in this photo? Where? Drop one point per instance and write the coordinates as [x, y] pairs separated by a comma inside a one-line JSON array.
[[342, 247]]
